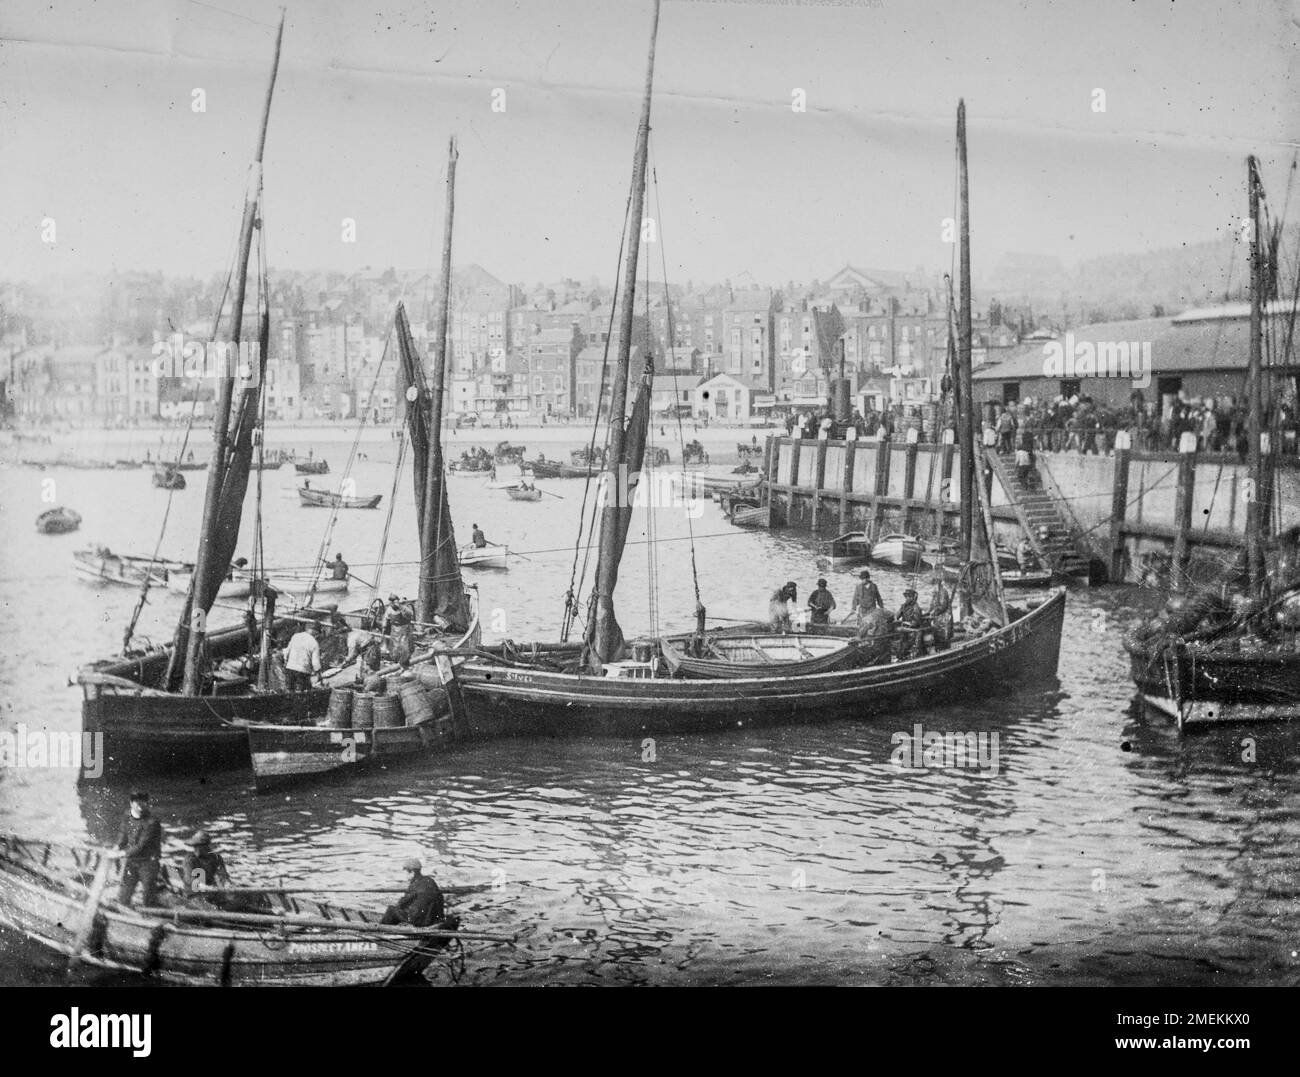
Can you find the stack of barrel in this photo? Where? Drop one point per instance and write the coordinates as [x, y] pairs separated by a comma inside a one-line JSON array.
[[415, 698]]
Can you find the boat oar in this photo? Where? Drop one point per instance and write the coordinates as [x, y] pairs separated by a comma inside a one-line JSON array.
[[86, 926], [263, 920], [549, 494], [453, 891]]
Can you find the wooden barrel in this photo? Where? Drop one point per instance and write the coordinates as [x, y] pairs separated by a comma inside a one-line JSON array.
[[375, 684], [340, 712], [388, 712], [416, 706], [363, 711]]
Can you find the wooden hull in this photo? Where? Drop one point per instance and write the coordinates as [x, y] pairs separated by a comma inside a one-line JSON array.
[[1197, 685], [488, 557], [756, 517], [45, 904], [285, 755], [849, 549], [759, 656], [501, 700], [517, 494], [123, 571], [902, 551], [312, 467], [320, 499]]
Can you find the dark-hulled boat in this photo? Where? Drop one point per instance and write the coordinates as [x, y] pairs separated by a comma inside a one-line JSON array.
[[45, 891], [1229, 654], [312, 467], [168, 478], [58, 521], [509, 690]]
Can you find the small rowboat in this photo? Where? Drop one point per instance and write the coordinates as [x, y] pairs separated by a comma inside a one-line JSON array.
[[489, 556], [524, 493], [851, 548], [168, 478], [312, 467], [903, 551], [759, 655], [102, 565], [325, 499], [58, 521], [240, 938], [240, 585]]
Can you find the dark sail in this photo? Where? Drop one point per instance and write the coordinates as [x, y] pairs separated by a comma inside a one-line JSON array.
[[617, 517], [438, 552]]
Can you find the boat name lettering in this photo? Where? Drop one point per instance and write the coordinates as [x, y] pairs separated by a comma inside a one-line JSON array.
[[522, 678], [332, 947]]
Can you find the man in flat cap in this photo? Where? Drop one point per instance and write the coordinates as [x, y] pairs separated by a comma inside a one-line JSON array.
[[421, 905]]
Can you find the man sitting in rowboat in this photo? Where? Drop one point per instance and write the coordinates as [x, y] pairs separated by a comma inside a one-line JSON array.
[[203, 867], [421, 905]]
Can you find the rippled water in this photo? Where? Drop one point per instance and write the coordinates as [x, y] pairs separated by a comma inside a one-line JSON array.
[[1106, 849]]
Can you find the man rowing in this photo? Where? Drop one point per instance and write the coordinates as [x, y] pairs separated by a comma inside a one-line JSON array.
[[422, 904]]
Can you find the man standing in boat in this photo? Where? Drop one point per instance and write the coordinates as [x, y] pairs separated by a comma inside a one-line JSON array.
[[778, 607], [909, 622], [302, 659], [399, 627], [820, 604], [339, 567], [866, 597], [139, 843], [421, 905], [940, 612]]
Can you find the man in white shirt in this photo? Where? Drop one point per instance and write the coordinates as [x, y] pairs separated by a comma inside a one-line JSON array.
[[302, 659]]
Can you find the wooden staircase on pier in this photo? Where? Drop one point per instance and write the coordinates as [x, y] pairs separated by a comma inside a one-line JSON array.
[[1061, 550]]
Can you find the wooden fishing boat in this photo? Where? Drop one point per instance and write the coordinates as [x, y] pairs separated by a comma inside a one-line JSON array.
[[851, 548], [325, 499], [266, 938], [792, 654], [490, 556], [312, 467], [902, 551], [58, 521], [1229, 654], [168, 478], [524, 493], [540, 691], [99, 564], [241, 584]]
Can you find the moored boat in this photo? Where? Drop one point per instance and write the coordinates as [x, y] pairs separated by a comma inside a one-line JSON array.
[[752, 516], [312, 467], [98, 564], [792, 654], [327, 499], [58, 521], [168, 478], [851, 548], [902, 551]]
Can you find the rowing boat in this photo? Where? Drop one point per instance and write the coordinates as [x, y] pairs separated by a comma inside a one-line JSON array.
[[524, 493], [484, 556], [251, 938], [792, 654], [903, 551], [58, 521], [852, 548], [102, 565], [325, 499]]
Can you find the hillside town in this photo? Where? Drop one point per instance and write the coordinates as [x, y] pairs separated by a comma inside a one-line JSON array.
[[87, 352]]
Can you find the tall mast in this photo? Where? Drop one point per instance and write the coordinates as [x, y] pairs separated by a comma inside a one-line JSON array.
[[965, 389], [431, 533], [192, 628], [1254, 383], [605, 633]]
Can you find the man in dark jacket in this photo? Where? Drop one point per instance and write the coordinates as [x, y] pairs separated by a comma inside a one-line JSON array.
[[140, 842], [422, 903], [820, 604]]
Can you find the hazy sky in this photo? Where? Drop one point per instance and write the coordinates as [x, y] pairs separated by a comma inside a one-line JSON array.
[[98, 132]]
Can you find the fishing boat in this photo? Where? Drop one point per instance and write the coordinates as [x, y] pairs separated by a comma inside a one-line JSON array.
[[242, 583], [179, 707], [312, 467], [523, 493], [489, 556], [902, 551], [732, 656], [58, 521], [168, 478], [324, 499], [849, 549], [52, 895], [99, 564], [550, 690], [1227, 653]]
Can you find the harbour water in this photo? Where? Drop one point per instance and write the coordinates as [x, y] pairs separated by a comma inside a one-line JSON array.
[[1103, 848]]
